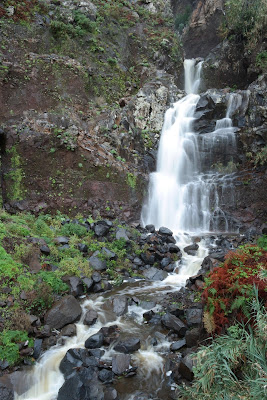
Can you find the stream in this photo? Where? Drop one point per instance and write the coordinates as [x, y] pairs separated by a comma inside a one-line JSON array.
[[180, 194]]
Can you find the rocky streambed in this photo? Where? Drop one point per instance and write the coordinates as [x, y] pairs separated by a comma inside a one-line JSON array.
[[136, 340]]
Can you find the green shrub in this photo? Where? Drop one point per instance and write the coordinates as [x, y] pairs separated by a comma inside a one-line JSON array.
[[9, 349], [182, 19], [73, 229], [53, 281]]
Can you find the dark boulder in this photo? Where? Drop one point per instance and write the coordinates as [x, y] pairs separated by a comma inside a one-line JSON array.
[[186, 368], [165, 231], [82, 385], [194, 316], [175, 346], [110, 393], [120, 363], [192, 337], [150, 228], [69, 330], [76, 286], [155, 274], [128, 345], [63, 312], [45, 250], [88, 283], [96, 263], [90, 317], [83, 248], [165, 262], [120, 305], [174, 323], [101, 228], [105, 376], [95, 341], [61, 240], [108, 254], [37, 348], [121, 233], [192, 249], [6, 391]]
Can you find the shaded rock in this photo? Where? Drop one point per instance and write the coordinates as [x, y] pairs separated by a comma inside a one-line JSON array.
[[150, 228], [186, 368], [110, 394], [192, 337], [88, 283], [137, 261], [70, 361], [83, 248], [155, 274], [6, 392], [120, 363], [90, 317], [61, 240], [95, 341], [173, 248], [128, 346], [174, 323], [81, 386], [105, 376], [69, 330], [96, 277], [97, 353], [120, 305], [165, 262], [148, 315], [45, 250], [165, 231], [192, 249], [194, 316], [101, 228], [109, 254], [121, 233], [218, 255], [63, 312], [175, 346], [37, 348], [97, 264], [76, 286]]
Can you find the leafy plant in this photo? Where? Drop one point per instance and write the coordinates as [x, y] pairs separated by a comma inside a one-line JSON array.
[[73, 229], [9, 348]]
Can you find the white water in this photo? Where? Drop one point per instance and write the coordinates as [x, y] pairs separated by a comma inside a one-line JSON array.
[[179, 198]]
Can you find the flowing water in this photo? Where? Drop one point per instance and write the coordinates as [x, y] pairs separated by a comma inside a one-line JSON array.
[[187, 201]]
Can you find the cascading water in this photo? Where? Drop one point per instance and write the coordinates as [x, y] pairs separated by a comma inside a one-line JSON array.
[[181, 197], [179, 193]]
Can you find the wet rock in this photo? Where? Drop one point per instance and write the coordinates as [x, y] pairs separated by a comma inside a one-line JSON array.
[[186, 368], [63, 312], [165, 231], [155, 274], [37, 348], [150, 228], [175, 346], [95, 341], [110, 394], [218, 255], [97, 353], [6, 392], [90, 317], [61, 240], [3, 365], [96, 277], [194, 316], [147, 305], [121, 233], [173, 248], [128, 346], [148, 315], [76, 286], [45, 250], [120, 305], [174, 323], [120, 363], [137, 261], [165, 262], [170, 268], [97, 264], [70, 361], [105, 376], [192, 337], [192, 249], [81, 386], [101, 228], [69, 330]]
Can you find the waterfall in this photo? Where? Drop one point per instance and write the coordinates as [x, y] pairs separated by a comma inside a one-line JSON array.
[[181, 196]]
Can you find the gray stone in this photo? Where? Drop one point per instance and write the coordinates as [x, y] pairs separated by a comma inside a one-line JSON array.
[[6, 391], [173, 248], [192, 249], [120, 305], [101, 228], [63, 312], [121, 233], [120, 363], [37, 348], [165, 262], [174, 323], [175, 346], [76, 286], [45, 250], [88, 283], [128, 345], [105, 375], [192, 337], [61, 240], [109, 254], [96, 277], [165, 231], [95, 341], [186, 368], [155, 274], [90, 317], [150, 228], [97, 264], [194, 316], [69, 330], [110, 394]]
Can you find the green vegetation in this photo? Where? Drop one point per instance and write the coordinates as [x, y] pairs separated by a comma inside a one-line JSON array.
[[234, 365], [182, 20], [15, 175], [9, 345], [131, 180]]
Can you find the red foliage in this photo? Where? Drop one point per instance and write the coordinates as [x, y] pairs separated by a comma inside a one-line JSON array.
[[235, 279]]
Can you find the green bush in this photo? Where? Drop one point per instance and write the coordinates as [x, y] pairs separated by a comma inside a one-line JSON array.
[[234, 366], [9, 349], [182, 19], [53, 281], [73, 229]]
